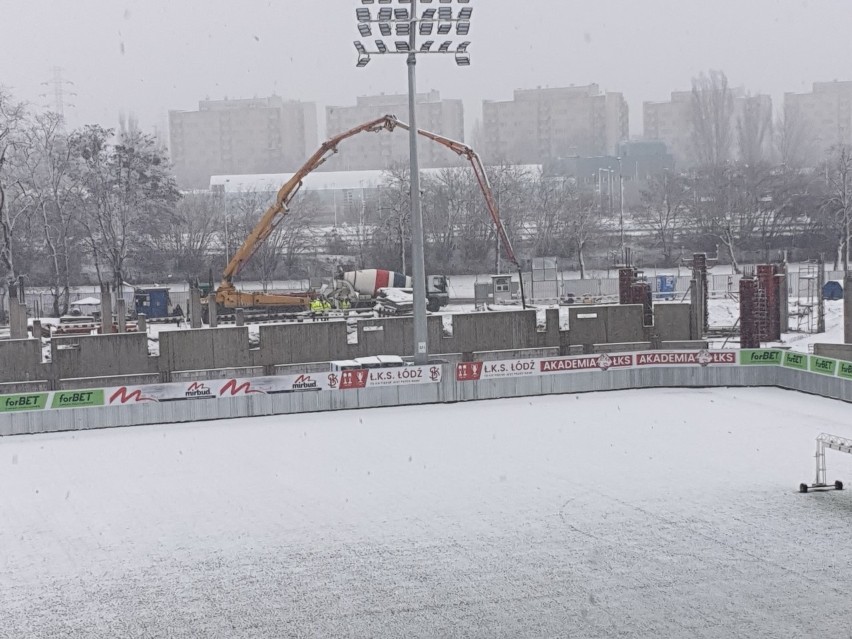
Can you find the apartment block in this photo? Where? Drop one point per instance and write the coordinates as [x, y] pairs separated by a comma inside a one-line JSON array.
[[543, 125], [672, 123], [378, 151], [228, 137], [823, 117]]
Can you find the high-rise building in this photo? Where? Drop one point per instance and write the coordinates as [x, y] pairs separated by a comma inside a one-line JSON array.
[[822, 118], [378, 151], [543, 125], [227, 137], [672, 122]]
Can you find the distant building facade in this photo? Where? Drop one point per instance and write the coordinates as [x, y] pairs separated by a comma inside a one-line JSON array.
[[672, 123], [378, 151], [542, 125], [823, 117], [260, 135]]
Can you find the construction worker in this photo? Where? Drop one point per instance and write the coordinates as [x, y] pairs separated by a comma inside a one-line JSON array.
[[316, 307], [344, 304], [326, 305]]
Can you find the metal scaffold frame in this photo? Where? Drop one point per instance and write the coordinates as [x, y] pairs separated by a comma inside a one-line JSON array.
[[823, 442]]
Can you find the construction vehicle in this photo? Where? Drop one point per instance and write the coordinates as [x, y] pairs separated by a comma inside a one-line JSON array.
[[361, 288], [228, 297]]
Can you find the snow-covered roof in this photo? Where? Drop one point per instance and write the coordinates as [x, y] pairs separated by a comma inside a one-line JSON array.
[[316, 181]]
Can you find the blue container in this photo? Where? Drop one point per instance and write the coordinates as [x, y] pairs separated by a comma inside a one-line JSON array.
[[153, 302], [832, 291], [666, 286]]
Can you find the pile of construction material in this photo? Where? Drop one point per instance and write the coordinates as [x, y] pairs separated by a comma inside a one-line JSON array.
[[394, 301]]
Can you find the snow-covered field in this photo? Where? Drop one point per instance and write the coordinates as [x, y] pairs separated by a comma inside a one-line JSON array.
[[666, 513]]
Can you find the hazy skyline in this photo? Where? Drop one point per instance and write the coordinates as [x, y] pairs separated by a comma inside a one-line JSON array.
[[149, 57]]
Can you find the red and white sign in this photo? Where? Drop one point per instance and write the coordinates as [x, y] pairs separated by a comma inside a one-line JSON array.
[[475, 371], [305, 382]]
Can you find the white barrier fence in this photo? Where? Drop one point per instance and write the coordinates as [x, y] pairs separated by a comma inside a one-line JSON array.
[[363, 388]]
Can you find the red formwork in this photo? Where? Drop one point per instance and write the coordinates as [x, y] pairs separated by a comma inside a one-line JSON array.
[[749, 333], [640, 293], [626, 278]]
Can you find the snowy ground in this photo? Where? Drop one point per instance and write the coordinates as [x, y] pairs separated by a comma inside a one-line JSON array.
[[547, 517]]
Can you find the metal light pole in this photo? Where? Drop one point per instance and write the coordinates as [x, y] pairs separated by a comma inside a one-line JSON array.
[[403, 19], [621, 203]]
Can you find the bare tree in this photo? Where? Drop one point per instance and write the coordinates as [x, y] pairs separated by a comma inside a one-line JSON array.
[[12, 208], [583, 223], [754, 130], [712, 115], [393, 229], [664, 211], [836, 208], [188, 237], [129, 190], [53, 193], [793, 141]]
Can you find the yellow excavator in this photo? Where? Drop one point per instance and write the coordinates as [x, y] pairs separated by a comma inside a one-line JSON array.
[[228, 297]]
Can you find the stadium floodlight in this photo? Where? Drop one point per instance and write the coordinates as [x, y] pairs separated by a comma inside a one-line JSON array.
[[462, 56], [401, 26], [363, 56]]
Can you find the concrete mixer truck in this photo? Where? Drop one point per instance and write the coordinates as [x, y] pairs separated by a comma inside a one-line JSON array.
[[362, 288]]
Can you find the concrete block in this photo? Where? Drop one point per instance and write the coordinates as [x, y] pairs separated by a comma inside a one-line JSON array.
[[20, 360], [212, 311], [101, 355], [239, 317], [847, 309], [121, 315], [142, 323], [194, 308], [224, 347], [672, 321], [106, 310], [837, 351]]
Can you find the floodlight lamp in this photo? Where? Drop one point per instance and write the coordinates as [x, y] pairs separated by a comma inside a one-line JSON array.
[[429, 14], [426, 28], [360, 48], [385, 28], [445, 1], [463, 59], [462, 28], [385, 1], [427, 45], [362, 14], [400, 14], [380, 45], [403, 29], [402, 45], [367, 1], [445, 46], [385, 14], [365, 30], [445, 13], [465, 13], [445, 28]]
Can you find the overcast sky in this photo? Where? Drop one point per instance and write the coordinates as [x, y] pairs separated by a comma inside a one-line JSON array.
[[149, 56]]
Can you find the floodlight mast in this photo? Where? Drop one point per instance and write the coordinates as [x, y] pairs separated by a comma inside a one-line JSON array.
[[400, 17]]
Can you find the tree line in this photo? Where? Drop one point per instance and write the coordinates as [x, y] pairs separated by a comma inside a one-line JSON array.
[[101, 205]]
